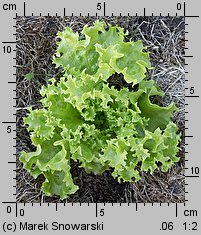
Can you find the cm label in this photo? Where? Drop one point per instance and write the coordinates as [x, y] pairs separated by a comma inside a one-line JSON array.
[[9, 7]]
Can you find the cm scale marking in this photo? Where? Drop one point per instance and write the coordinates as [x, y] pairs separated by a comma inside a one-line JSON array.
[[58, 217]]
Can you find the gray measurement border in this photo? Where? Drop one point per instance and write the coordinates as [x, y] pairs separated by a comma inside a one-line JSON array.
[[112, 14], [137, 205], [104, 13], [97, 205], [187, 96]]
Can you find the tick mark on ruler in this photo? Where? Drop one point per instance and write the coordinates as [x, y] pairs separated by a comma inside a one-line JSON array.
[[9, 42], [9, 202], [184, 9], [193, 16], [96, 210], [104, 8], [176, 210], [192, 176], [9, 122], [24, 8], [192, 96]]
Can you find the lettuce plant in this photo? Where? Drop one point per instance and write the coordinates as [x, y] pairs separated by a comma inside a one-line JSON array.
[[85, 120]]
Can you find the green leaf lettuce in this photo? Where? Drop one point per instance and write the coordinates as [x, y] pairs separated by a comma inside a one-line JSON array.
[[85, 120]]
